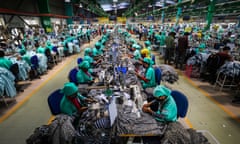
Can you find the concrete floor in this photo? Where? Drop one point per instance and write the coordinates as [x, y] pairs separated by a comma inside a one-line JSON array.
[[209, 110]]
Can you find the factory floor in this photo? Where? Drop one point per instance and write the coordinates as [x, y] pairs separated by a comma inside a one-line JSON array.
[[210, 111]]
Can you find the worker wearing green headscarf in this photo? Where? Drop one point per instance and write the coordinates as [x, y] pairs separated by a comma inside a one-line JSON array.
[[148, 80], [40, 49], [83, 75], [136, 53], [96, 50], [49, 45], [148, 45], [201, 48], [167, 109], [25, 56], [88, 57], [72, 102], [4, 62]]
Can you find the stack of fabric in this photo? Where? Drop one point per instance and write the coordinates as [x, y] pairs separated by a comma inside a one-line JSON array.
[[231, 69], [168, 73], [129, 123]]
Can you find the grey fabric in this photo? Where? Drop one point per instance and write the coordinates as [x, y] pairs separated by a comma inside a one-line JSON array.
[[168, 73], [129, 123], [7, 81], [62, 130], [231, 69], [177, 134]]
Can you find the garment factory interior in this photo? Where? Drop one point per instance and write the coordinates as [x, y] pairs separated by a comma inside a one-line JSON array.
[[119, 72]]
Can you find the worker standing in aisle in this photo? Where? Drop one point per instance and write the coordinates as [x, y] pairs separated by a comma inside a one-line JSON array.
[[170, 48], [181, 50]]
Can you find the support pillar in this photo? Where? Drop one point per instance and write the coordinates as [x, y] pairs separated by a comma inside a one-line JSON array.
[[211, 10], [179, 12], [69, 12], [43, 6], [163, 13]]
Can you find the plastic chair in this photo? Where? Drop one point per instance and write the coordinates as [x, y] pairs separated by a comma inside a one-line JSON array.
[[158, 75], [181, 102], [72, 76], [79, 60], [35, 62], [54, 100], [153, 58]]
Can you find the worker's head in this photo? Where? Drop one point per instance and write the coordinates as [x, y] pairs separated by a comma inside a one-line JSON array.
[[147, 62], [161, 93], [70, 89], [98, 45], [226, 49], [22, 52], [84, 66], [88, 51], [144, 52], [147, 43]]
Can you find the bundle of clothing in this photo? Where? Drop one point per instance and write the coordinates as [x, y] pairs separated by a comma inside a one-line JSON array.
[[128, 122], [7, 83], [231, 69], [24, 68], [168, 73], [198, 64], [177, 134]]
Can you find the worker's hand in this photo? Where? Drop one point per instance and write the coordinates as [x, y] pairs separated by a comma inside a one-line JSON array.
[[137, 74], [146, 109], [82, 109], [147, 104], [90, 100]]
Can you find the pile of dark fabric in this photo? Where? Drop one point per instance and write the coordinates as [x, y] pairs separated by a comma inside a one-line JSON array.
[[168, 73], [231, 69], [128, 122], [93, 127], [177, 134], [195, 60], [59, 131], [198, 63]]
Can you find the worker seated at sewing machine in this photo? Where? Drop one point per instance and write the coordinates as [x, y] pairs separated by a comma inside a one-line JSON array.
[[89, 57], [84, 75], [136, 52], [148, 80], [73, 102], [167, 108]]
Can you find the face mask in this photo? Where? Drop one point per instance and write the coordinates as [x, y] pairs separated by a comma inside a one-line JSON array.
[[160, 100]]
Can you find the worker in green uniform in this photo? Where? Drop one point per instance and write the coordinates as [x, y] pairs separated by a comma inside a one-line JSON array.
[[148, 80], [72, 102], [167, 108], [148, 45], [40, 48], [96, 50], [88, 57], [83, 75], [4, 62], [136, 52]]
